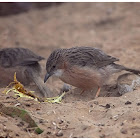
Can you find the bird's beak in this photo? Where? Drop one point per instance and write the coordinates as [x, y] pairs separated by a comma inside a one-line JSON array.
[[47, 77]]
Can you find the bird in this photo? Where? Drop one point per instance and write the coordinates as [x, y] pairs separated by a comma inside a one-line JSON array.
[[26, 65], [83, 67]]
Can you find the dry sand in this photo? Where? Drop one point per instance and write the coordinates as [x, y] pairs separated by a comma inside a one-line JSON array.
[[112, 27]]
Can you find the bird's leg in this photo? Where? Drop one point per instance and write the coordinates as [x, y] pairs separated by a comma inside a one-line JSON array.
[[82, 92], [98, 92]]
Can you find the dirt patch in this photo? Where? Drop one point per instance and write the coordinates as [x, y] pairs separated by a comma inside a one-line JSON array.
[[112, 27]]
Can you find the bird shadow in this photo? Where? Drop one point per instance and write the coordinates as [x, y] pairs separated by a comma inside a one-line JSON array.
[[125, 83], [106, 91]]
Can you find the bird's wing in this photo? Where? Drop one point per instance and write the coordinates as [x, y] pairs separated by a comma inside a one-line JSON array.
[[26, 62], [10, 57], [88, 56]]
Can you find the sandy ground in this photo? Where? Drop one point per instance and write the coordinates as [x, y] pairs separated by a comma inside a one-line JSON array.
[[112, 27]]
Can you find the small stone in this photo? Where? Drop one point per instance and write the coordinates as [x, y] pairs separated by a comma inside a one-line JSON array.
[[25, 129], [100, 124], [20, 124], [28, 105], [84, 127], [127, 103], [90, 111], [17, 135], [59, 134], [134, 118], [41, 121], [40, 113], [122, 124], [115, 118], [123, 131], [68, 122], [96, 102], [66, 88], [7, 97], [102, 136], [133, 133], [107, 106], [48, 132], [61, 121], [4, 129], [138, 104], [91, 105]]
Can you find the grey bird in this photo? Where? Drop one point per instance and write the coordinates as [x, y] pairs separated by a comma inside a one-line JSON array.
[[83, 67], [26, 65]]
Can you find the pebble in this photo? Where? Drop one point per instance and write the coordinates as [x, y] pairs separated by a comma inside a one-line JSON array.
[[123, 131], [28, 105], [20, 124], [91, 105], [96, 102], [115, 118], [84, 127], [102, 136], [17, 135], [61, 121], [107, 106], [41, 121], [48, 132], [127, 103], [122, 124], [59, 134]]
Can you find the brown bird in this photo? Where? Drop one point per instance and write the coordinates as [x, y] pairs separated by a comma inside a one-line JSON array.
[[25, 63], [83, 67]]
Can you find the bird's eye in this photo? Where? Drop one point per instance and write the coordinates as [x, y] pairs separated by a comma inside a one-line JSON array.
[[53, 67]]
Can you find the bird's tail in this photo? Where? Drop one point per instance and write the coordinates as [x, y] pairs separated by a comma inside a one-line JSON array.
[[137, 72]]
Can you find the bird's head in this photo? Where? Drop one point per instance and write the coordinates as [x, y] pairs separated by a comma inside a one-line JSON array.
[[55, 64]]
